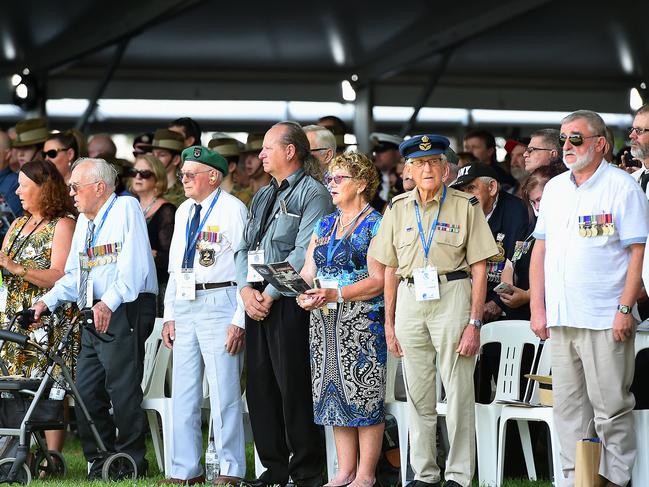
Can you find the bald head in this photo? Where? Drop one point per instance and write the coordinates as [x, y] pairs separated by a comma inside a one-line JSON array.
[[101, 145]]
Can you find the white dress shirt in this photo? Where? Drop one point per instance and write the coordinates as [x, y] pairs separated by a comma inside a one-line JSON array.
[[638, 174], [116, 282], [585, 276], [227, 218]]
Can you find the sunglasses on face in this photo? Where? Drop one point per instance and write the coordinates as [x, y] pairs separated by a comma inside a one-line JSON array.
[[52, 153], [638, 131], [336, 179], [143, 173], [576, 139]]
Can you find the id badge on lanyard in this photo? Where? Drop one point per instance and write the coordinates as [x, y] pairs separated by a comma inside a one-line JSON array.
[[426, 283], [3, 298], [186, 286], [255, 257]]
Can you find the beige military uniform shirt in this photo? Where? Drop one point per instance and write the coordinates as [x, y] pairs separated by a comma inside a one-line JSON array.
[[462, 236]]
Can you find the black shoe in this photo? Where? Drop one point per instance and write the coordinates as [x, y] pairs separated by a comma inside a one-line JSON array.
[[260, 482], [451, 483], [143, 469], [421, 483]]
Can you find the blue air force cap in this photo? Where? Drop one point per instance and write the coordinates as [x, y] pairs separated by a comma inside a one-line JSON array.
[[424, 146]]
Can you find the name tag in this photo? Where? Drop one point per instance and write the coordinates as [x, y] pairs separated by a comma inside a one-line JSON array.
[[426, 283], [3, 298], [89, 293], [329, 284], [186, 286], [255, 257]]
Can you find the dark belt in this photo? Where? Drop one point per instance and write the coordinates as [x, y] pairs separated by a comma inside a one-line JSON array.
[[451, 276], [214, 285]]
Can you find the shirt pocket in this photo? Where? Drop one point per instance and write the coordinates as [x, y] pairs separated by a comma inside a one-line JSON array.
[[406, 248], [454, 239], [286, 229]]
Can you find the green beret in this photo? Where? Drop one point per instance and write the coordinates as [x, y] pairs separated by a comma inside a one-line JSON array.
[[198, 153]]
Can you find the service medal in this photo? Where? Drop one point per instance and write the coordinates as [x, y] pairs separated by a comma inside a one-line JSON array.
[[206, 257], [582, 230]]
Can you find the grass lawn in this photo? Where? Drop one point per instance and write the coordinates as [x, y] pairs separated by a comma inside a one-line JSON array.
[[77, 470]]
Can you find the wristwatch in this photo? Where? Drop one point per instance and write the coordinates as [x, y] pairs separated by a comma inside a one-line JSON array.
[[476, 323], [624, 309], [340, 299]]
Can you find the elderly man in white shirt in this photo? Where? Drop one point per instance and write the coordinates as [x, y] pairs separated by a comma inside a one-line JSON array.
[[109, 269], [584, 279], [204, 320]]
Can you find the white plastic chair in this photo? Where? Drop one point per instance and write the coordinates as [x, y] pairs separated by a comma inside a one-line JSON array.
[[392, 406], [640, 472], [522, 415], [156, 402], [150, 350], [513, 336]]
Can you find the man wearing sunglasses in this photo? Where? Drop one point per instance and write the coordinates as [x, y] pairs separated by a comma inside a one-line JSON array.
[[584, 281], [639, 135]]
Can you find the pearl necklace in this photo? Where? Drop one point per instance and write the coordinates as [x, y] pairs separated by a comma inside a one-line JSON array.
[[345, 225]]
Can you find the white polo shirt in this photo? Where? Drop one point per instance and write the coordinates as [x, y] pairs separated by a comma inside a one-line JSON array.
[[585, 275]]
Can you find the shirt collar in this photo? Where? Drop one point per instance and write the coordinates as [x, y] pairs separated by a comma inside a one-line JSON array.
[[414, 196], [493, 207], [603, 166], [291, 180], [207, 201], [104, 207]]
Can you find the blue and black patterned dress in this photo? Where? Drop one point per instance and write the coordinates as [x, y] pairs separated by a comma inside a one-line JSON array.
[[348, 349]]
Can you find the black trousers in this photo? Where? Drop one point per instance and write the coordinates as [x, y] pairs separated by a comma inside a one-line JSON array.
[[110, 374], [279, 396]]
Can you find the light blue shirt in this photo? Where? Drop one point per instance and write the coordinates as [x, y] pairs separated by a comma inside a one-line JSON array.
[[112, 283]]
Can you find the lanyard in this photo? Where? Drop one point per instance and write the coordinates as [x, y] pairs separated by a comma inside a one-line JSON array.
[[265, 223], [331, 248], [101, 223], [200, 226], [424, 244], [24, 242]]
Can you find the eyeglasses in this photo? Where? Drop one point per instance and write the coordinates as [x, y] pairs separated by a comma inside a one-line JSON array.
[[319, 149], [576, 139], [529, 149], [339, 178], [190, 175], [419, 163], [143, 173], [52, 153], [74, 187], [638, 130]]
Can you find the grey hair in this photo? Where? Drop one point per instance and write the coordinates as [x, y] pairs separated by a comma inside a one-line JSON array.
[[549, 137], [487, 180], [324, 137], [643, 109], [595, 122], [99, 170]]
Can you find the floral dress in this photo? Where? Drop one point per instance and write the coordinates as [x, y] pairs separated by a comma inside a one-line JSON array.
[[347, 345], [34, 251]]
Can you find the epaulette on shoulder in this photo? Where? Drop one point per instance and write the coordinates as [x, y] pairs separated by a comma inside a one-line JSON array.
[[467, 196], [396, 198], [473, 200]]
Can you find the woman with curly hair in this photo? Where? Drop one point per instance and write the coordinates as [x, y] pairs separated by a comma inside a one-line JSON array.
[[32, 259], [347, 339]]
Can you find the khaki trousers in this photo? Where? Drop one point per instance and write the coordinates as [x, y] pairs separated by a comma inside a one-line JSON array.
[[591, 375], [429, 333]]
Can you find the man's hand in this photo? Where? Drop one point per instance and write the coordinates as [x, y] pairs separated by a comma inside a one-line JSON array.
[[235, 340], [39, 308], [623, 326], [516, 299], [492, 312], [254, 303], [393, 344], [469, 342], [169, 333], [539, 325], [101, 313]]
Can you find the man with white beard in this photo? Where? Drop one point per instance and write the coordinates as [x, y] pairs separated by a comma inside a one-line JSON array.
[[639, 135], [584, 280]]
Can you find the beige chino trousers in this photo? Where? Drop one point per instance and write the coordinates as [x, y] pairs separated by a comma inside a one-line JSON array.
[[591, 377], [429, 333]]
